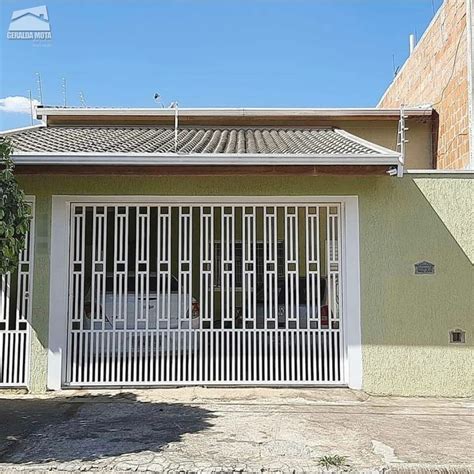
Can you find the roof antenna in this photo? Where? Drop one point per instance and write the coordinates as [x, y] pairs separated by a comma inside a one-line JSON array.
[[157, 98], [174, 105], [82, 99], [31, 106], [40, 88], [65, 91]]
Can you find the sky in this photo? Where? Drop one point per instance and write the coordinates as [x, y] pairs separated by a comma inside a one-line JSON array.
[[208, 53]]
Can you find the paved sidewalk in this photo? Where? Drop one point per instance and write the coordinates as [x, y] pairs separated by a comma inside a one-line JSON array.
[[225, 430]]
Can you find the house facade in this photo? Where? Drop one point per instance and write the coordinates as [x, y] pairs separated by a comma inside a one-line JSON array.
[[240, 247]]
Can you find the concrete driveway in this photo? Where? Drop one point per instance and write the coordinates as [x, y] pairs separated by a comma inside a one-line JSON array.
[[222, 430]]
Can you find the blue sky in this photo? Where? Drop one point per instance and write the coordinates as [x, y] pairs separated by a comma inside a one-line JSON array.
[[260, 53]]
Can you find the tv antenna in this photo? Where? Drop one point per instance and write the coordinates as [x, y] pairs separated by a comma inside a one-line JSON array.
[[31, 106], [65, 91], [40, 88], [174, 105], [82, 99]]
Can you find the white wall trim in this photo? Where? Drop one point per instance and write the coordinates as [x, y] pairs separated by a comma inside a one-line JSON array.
[[32, 244], [440, 172], [60, 220], [58, 291], [113, 198], [351, 293]]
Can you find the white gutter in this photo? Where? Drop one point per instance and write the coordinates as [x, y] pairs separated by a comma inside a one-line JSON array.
[[231, 112], [203, 159]]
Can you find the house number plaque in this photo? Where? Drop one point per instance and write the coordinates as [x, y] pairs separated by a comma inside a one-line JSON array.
[[424, 268]]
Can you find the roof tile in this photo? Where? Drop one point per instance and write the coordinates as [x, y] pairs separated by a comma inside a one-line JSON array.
[[190, 140]]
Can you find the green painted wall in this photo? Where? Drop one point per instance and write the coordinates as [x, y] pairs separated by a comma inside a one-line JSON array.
[[406, 319]]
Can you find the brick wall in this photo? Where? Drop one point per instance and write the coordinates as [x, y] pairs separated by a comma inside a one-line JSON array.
[[437, 73]]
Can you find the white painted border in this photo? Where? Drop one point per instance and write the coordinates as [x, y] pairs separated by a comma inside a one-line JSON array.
[[32, 244], [163, 199], [440, 172], [351, 293], [58, 290], [60, 221]]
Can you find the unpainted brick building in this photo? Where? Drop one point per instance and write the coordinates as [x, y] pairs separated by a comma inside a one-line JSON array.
[[439, 73]]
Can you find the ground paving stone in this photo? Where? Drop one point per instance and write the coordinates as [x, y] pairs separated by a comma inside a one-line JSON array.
[[258, 430]]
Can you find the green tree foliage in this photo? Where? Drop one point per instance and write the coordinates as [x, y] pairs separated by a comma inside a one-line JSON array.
[[15, 212]]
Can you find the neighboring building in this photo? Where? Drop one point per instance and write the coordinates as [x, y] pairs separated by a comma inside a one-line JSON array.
[[439, 73], [246, 247]]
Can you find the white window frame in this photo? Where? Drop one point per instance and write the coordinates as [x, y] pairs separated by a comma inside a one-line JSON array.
[[60, 220]]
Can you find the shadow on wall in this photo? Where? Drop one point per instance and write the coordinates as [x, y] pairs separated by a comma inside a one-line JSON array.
[[91, 427]]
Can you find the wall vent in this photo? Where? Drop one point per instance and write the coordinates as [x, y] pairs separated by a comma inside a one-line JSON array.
[[457, 336]]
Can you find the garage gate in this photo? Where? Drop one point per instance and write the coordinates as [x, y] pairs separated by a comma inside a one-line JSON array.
[[200, 293]]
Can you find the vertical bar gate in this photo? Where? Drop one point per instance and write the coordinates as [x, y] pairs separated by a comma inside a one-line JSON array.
[[176, 294], [15, 316]]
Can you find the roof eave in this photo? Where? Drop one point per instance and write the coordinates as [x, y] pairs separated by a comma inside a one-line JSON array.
[[13, 131], [218, 159], [42, 112]]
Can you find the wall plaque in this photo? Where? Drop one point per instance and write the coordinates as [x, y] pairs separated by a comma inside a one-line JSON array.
[[424, 268]]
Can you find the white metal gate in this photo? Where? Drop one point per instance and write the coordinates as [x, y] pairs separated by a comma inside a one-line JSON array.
[[189, 293], [15, 317]]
